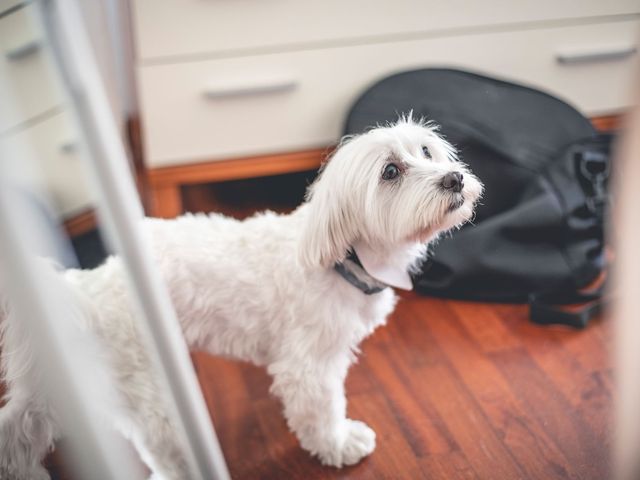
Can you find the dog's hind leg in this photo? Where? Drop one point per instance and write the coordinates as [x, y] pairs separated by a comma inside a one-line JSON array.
[[28, 426], [145, 420], [27, 433], [156, 440], [315, 408]]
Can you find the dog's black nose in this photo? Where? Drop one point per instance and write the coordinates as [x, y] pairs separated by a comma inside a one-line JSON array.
[[453, 181]]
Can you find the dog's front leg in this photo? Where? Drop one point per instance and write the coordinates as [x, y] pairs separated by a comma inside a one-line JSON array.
[[315, 408]]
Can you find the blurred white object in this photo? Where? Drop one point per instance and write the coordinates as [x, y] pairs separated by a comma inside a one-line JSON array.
[[120, 208], [626, 236], [57, 366], [34, 124]]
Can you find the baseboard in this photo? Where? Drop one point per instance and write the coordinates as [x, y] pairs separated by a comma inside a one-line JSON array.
[[81, 223]]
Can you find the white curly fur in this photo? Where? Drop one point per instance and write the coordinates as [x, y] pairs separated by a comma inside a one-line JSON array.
[[262, 290]]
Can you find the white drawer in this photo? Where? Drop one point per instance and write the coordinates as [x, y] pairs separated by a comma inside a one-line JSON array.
[[6, 5], [47, 153], [173, 28], [28, 84], [300, 99]]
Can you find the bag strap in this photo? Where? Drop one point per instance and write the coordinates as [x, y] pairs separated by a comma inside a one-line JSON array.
[[575, 308], [592, 167], [571, 308], [543, 312]]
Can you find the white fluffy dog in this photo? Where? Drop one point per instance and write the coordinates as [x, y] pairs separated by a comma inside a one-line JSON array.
[[296, 293]]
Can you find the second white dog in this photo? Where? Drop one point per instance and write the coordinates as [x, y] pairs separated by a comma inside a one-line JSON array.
[[296, 293]]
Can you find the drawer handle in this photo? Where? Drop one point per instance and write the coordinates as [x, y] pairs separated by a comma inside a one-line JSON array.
[[258, 88], [68, 147], [21, 51], [596, 54]]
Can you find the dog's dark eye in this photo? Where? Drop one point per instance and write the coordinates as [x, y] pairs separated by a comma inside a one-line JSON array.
[[391, 171], [425, 150]]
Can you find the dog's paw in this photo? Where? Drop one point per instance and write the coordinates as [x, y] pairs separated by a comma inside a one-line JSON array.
[[359, 441]]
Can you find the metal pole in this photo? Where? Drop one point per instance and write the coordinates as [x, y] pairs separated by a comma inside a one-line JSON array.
[[65, 364], [119, 207]]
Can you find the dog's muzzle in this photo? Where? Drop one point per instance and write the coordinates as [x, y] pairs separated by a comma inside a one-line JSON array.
[[456, 202]]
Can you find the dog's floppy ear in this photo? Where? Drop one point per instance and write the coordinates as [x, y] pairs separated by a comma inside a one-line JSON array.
[[330, 226]]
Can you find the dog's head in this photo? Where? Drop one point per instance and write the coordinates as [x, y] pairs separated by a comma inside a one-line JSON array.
[[390, 186]]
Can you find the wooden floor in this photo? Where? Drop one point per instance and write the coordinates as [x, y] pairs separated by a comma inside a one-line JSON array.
[[453, 390]]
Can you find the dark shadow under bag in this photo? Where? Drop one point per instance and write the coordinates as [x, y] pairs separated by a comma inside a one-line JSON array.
[[538, 235]]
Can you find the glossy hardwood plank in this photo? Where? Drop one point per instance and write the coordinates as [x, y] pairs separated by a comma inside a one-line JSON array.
[[453, 465], [586, 451], [81, 223], [420, 424], [578, 365], [524, 437], [485, 326]]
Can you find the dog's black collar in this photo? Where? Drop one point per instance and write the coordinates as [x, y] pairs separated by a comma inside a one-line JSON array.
[[353, 272]]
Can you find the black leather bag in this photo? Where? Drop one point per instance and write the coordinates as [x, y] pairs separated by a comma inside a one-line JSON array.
[[539, 231]]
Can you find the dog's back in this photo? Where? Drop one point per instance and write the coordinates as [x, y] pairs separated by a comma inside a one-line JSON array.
[[227, 278]]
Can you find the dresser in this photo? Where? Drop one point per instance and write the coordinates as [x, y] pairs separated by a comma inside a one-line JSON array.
[[37, 130], [239, 88]]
